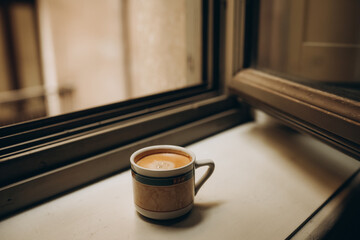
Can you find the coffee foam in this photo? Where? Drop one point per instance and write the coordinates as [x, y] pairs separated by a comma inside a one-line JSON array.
[[163, 161]]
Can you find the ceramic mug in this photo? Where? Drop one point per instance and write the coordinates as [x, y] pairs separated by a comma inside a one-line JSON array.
[[165, 194]]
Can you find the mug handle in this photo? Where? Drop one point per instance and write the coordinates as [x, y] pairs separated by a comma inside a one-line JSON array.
[[207, 174]]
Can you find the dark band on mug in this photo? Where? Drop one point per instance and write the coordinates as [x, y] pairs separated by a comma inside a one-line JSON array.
[[162, 181]]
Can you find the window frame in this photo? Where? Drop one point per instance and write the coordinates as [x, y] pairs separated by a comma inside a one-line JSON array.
[[329, 117], [200, 112], [105, 136]]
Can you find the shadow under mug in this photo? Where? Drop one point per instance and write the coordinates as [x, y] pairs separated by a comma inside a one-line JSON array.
[[166, 194]]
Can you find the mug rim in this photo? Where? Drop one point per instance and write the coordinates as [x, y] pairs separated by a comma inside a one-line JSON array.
[[161, 172]]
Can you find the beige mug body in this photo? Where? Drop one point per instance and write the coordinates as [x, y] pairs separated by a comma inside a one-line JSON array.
[[166, 194]]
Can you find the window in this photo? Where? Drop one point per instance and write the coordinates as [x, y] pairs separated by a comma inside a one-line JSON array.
[[62, 56], [301, 64], [48, 156]]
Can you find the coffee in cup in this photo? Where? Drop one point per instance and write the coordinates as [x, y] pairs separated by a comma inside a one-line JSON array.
[[163, 161], [163, 180]]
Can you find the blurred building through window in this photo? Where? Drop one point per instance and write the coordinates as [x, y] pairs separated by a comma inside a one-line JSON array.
[[58, 56]]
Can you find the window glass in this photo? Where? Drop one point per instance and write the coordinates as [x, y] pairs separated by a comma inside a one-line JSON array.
[[315, 42], [60, 56]]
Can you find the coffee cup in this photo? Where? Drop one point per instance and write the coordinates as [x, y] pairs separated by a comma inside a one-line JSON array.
[[163, 179]]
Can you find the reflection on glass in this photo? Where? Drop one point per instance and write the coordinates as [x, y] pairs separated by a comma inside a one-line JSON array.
[[58, 56], [316, 40]]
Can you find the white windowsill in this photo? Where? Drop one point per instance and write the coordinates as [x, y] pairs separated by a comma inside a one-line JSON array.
[[267, 181]]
